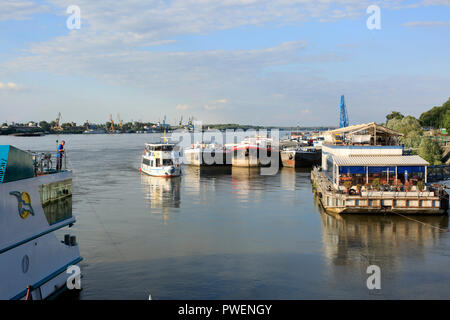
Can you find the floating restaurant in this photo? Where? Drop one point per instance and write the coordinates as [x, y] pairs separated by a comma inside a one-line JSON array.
[[364, 170]]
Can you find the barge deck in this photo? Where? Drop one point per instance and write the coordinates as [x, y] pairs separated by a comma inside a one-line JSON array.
[[429, 202]]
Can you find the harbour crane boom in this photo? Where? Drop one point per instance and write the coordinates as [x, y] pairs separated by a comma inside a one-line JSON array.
[[343, 119]]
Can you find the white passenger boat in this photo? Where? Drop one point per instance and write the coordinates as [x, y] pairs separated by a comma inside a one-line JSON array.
[[36, 201], [161, 160]]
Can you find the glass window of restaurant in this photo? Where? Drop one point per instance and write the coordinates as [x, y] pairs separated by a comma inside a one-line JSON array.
[[355, 174], [412, 174], [385, 175], [330, 166]]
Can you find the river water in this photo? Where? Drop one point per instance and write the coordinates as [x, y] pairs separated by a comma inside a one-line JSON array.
[[232, 233]]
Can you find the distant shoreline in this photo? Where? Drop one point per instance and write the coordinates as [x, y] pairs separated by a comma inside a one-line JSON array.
[[36, 131]]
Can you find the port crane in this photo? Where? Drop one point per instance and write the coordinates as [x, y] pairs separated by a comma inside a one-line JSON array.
[[120, 122], [111, 127], [57, 126], [343, 119]]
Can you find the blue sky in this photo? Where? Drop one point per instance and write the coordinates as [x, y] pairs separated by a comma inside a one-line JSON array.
[[242, 61]]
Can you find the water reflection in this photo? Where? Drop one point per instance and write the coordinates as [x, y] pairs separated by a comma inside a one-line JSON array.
[[245, 182], [161, 193], [360, 240], [56, 211]]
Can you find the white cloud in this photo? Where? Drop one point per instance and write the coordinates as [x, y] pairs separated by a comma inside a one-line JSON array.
[[111, 46], [19, 10], [9, 86], [182, 107], [209, 107]]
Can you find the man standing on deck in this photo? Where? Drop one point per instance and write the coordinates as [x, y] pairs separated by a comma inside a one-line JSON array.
[[60, 155]]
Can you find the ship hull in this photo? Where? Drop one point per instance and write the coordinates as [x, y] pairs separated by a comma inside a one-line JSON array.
[[197, 157], [31, 254], [298, 159]]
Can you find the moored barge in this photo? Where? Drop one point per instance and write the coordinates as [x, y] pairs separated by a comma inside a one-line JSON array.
[[364, 170], [252, 152], [207, 154], [301, 157]]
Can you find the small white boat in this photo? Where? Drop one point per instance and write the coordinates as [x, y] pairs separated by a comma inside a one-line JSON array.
[[94, 131], [35, 206], [161, 160]]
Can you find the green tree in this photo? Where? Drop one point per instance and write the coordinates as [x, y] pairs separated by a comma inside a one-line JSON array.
[[411, 129], [412, 139], [44, 125], [431, 151], [436, 117], [394, 115]]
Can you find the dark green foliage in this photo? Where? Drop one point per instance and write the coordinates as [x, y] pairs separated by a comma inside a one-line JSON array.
[[394, 115], [437, 117]]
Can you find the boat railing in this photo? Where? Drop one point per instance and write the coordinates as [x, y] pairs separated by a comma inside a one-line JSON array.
[[45, 162]]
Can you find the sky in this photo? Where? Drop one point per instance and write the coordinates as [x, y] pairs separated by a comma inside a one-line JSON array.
[[259, 62]]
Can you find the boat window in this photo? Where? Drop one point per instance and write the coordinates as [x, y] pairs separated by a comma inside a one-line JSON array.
[[146, 162], [167, 162], [158, 164], [56, 199]]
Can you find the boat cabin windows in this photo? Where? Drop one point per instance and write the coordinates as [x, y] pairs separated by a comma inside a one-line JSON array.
[[146, 161], [167, 162], [160, 147]]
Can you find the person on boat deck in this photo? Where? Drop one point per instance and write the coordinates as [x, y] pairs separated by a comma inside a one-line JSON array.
[[60, 155]]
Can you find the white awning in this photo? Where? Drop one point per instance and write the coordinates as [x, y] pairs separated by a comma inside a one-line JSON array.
[[380, 161]]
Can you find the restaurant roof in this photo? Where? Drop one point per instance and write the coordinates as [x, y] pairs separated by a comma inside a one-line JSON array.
[[380, 161], [364, 126]]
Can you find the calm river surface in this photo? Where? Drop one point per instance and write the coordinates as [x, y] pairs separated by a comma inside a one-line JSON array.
[[232, 234]]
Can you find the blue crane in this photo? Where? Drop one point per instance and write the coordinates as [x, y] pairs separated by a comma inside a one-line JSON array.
[[343, 119]]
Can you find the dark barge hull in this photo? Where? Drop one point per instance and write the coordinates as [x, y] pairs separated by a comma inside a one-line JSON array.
[[301, 158]]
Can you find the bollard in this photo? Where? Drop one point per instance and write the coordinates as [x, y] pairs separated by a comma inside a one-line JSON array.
[[73, 241], [67, 239]]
